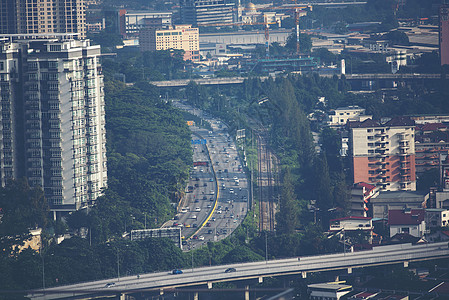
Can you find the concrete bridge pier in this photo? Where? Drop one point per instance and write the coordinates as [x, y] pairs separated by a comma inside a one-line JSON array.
[[349, 270], [405, 264], [209, 285], [195, 296], [246, 292], [304, 275]]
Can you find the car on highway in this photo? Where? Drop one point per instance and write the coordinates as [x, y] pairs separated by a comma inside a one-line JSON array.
[[110, 284], [230, 270], [176, 272]]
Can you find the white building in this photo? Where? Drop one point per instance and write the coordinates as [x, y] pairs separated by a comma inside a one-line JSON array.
[[436, 217], [53, 118], [341, 115], [410, 221], [351, 224], [328, 291]]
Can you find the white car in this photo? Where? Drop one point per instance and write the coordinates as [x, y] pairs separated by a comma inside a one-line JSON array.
[[197, 209], [219, 211], [193, 217], [183, 210], [231, 191], [201, 238]]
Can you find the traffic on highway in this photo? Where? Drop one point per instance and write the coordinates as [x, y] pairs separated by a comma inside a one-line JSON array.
[[216, 198]]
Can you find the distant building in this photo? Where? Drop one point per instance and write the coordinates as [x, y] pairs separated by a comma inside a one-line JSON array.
[[131, 22], [180, 37], [431, 140], [361, 194], [383, 154], [326, 291], [436, 217], [408, 221], [386, 201], [341, 115], [444, 34], [43, 16], [351, 224], [208, 12]]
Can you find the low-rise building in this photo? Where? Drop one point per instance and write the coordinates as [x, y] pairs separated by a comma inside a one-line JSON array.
[[179, 37], [409, 221], [326, 291], [386, 201], [436, 217], [361, 193], [341, 115], [351, 224]]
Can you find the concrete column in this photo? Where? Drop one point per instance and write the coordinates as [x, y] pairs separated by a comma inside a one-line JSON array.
[[247, 292], [161, 292], [405, 264], [304, 274], [122, 297], [349, 270], [209, 285], [260, 279], [195, 296]]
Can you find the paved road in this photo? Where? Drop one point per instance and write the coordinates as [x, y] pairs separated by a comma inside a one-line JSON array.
[[402, 253], [219, 199]]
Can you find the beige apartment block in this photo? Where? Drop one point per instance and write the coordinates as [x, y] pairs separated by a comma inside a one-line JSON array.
[[179, 37], [384, 154]]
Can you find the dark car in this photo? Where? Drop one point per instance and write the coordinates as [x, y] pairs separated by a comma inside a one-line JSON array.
[[110, 284], [176, 271], [230, 270]]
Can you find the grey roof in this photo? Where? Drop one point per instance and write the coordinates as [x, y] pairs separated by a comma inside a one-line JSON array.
[[329, 286], [402, 196]]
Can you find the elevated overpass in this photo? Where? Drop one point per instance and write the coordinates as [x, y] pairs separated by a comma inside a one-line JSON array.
[[207, 276], [350, 77]]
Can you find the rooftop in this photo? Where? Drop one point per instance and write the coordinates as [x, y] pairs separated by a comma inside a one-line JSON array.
[[406, 217]]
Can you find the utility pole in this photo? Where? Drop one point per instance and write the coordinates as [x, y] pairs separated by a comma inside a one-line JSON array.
[[266, 247]]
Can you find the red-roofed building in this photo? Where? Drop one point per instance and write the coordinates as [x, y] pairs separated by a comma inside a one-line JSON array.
[[384, 154], [410, 221], [361, 193]]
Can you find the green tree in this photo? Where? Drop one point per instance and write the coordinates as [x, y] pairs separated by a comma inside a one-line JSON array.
[[287, 217]]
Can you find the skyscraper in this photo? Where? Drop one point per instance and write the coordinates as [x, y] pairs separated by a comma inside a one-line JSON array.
[[52, 117], [43, 16]]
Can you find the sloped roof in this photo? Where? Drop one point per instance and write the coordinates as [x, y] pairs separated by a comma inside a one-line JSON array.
[[401, 217], [351, 218], [400, 121], [365, 124], [430, 126]]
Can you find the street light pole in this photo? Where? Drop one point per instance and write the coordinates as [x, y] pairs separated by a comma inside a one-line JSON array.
[[118, 267], [266, 246]]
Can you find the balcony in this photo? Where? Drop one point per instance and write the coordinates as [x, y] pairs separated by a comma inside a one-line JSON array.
[[381, 134]]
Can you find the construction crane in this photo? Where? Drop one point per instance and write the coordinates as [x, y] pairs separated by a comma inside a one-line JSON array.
[[297, 8], [266, 28]]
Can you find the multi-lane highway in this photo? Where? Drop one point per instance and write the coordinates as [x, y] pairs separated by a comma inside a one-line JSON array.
[[402, 253], [216, 199]]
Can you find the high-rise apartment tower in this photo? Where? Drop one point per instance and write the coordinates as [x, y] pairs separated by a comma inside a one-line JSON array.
[[52, 117], [42, 16], [383, 154]]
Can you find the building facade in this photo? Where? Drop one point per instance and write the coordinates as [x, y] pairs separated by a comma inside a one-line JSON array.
[[384, 154], [43, 16], [180, 37], [207, 12], [431, 140], [444, 34], [131, 22], [53, 118]]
